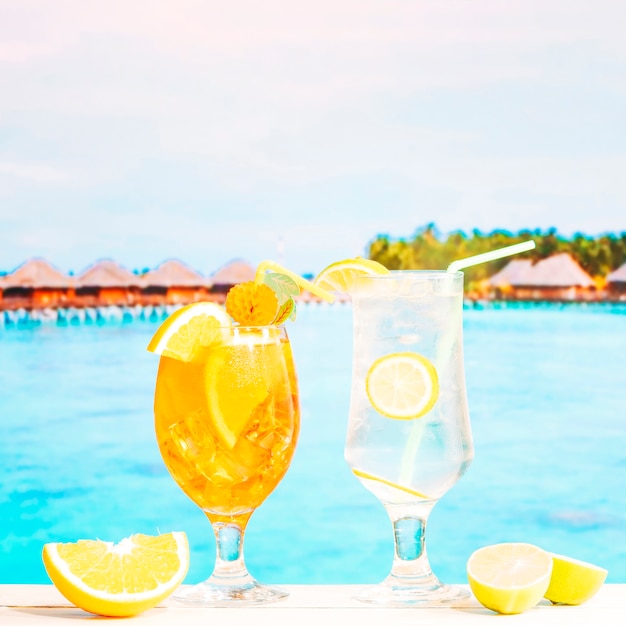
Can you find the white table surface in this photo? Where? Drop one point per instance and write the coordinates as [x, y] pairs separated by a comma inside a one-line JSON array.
[[312, 604]]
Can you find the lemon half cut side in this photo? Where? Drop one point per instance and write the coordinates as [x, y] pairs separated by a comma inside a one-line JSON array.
[[118, 580], [509, 578], [402, 385]]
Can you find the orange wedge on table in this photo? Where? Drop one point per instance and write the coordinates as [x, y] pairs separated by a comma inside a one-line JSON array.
[[118, 580], [184, 333]]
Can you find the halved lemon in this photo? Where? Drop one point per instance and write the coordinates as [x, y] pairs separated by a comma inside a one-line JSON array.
[[118, 580], [573, 581], [509, 577], [186, 331], [402, 385], [389, 483], [341, 276]]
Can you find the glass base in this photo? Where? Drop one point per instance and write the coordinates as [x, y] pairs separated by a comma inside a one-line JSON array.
[[239, 592], [397, 592]]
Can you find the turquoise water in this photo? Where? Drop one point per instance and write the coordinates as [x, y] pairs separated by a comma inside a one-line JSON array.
[[547, 391]]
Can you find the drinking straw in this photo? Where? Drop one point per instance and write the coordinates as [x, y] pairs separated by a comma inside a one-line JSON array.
[[485, 257], [303, 283], [417, 430]]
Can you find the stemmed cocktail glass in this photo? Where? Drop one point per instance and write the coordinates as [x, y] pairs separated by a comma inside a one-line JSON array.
[[409, 437], [226, 424]]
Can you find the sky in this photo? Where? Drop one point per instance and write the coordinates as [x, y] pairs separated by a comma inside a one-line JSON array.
[[299, 131]]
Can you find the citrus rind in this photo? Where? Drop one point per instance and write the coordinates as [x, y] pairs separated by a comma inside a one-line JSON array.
[[192, 327], [365, 475], [341, 276], [161, 565], [573, 582]]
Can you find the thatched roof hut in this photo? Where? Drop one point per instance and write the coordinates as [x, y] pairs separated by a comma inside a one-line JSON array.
[[616, 282], [107, 274], [37, 273], [106, 283], [618, 275], [558, 277], [559, 270], [35, 284], [514, 273], [173, 273], [173, 282], [233, 273]]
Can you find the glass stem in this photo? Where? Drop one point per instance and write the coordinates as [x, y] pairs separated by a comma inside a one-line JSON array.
[[229, 564], [410, 561]]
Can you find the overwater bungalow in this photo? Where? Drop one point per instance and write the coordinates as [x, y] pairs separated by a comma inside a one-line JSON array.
[[616, 282], [558, 277], [173, 282], [233, 273], [36, 284], [106, 283]]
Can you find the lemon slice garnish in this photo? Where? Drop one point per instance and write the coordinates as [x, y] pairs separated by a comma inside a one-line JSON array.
[[186, 331], [341, 276], [402, 385]]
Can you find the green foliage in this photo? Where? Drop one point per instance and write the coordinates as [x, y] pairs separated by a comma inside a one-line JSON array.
[[427, 249], [285, 288]]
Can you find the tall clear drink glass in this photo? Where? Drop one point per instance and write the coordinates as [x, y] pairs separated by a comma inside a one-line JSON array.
[[409, 438]]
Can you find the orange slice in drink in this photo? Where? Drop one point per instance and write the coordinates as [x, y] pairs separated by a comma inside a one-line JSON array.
[[118, 580], [193, 327], [239, 378]]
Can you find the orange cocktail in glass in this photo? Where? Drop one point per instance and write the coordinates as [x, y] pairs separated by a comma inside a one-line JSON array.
[[227, 420], [227, 415], [227, 423]]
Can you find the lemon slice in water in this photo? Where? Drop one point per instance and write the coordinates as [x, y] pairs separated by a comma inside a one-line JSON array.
[[402, 385], [389, 483]]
